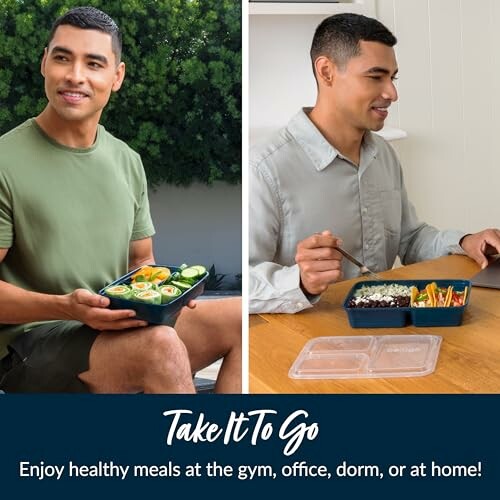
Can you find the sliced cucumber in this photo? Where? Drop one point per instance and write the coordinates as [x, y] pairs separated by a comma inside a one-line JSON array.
[[181, 284], [189, 273], [201, 269]]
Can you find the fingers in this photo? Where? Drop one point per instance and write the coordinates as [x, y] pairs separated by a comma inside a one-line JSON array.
[[319, 247], [113, 314], [492, 242], [323, 240], [319, 261], [112, 319], [476, 253], [91, 309], [479, 245], [316, 266], [317, 282], [121, 325], [191, 304], [90, 299], [108, 319], [318, 254]]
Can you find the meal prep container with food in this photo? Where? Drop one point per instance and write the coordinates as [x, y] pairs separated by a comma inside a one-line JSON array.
[[367, 357], [393, 317], [160, 314]]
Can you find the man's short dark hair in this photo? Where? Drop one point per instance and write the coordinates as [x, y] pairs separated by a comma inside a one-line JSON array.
[[338, 37], [90, 18]]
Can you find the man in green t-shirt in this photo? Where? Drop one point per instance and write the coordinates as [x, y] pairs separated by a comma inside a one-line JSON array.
[[74, 215]]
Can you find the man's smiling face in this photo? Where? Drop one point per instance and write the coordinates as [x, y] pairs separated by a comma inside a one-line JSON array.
[[364, 89], [80, 71]]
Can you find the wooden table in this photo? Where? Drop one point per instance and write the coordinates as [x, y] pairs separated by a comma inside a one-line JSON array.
[[469, 359]]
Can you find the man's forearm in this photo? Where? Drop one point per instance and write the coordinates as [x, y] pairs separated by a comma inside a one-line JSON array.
[[135, 263], [21, 306]]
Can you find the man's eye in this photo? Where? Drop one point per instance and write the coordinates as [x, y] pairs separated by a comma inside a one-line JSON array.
[[394, 78], [375, 77], [60, 58]]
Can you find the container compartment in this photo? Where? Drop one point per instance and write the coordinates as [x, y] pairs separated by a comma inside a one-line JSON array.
[[400, 353], [392, 317], [326, 345], [323, 364], [367, 357]]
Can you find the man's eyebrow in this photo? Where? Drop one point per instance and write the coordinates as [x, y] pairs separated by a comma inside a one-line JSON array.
[[378, 70], [64, 50], [97, 57]]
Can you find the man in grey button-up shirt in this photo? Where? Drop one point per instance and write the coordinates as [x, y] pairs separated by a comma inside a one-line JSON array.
[[325, 180]]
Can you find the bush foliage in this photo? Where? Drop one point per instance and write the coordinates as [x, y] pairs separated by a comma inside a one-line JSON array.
[[180, 104]]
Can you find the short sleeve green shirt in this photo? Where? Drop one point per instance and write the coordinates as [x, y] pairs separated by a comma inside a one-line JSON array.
[[67, 215]]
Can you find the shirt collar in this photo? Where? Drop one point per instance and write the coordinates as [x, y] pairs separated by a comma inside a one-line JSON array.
[[317, 148]]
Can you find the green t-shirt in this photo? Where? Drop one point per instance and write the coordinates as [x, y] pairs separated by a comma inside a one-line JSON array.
[[67, 215]]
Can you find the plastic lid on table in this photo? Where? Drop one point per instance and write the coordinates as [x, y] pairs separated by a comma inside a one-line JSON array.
[[369, 356]]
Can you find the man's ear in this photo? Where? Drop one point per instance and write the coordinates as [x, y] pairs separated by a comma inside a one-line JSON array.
[[325, 70], [119, 76], [42, 64]]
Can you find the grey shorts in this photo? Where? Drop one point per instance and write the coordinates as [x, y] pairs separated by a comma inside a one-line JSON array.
[[48, 358]]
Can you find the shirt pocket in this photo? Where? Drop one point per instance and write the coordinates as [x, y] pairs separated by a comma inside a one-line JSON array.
[[390, 211]]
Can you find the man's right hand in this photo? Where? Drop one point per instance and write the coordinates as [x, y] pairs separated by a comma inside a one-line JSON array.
[[91, 309], [319, 262]]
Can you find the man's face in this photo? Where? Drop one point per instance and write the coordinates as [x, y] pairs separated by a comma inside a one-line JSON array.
[[364, 89], [80, 72]]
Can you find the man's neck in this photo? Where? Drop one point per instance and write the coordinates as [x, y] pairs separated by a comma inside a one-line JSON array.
[[73, 134], [345, 139]]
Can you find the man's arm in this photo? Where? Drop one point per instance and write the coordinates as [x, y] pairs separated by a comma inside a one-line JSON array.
[[276, 288], [19, 306], [140, 253]]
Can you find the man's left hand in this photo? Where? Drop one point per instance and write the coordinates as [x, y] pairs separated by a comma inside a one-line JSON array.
[[479, 245]]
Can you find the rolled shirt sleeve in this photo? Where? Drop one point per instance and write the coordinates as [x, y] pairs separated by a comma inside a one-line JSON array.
[[274, 288]]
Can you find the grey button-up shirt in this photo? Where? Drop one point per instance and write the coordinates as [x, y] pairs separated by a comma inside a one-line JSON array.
[[300, 184]]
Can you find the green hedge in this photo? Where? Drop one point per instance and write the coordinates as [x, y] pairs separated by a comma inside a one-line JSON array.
[[180, 104]]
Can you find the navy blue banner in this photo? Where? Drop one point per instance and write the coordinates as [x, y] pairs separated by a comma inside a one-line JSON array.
[[291, 446]]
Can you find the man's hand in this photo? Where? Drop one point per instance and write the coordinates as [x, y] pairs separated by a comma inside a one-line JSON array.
[[91, 309], [479, 245], [319, 262]]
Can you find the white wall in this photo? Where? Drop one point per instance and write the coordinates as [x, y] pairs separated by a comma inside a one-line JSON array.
[[280, 77], [449, 103], [449, 86], [198, 224]]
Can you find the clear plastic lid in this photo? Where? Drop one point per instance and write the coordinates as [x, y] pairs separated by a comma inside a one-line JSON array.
[[368, 356]]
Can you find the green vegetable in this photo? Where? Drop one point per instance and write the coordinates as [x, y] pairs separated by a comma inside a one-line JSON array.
[[181, 284], [148, 297], [141, 286], [201, 269], [119, 292], [169, 293], [190, 275]]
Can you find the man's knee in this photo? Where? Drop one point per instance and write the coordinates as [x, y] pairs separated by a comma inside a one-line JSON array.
[[163, 345]]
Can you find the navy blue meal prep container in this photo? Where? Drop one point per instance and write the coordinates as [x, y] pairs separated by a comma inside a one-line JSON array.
[[388, 317], [159, 314]]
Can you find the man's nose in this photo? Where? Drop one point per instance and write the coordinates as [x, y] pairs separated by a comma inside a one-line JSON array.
[[76, 73], [390, 91]]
